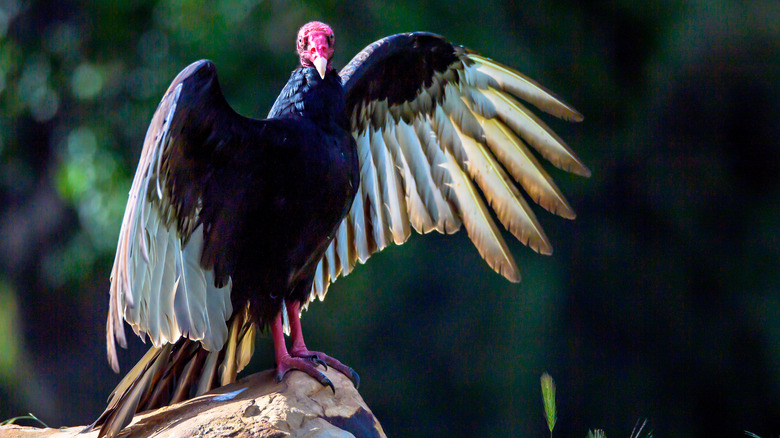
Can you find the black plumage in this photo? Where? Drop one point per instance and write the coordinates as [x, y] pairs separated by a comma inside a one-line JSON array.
[[408, 60], [290, 185], [233, 223]]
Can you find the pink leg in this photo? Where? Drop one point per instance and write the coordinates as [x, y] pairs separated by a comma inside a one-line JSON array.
[[285, 362], [299, 357]]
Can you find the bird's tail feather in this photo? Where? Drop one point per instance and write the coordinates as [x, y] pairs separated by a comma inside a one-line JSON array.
[[177, 372]]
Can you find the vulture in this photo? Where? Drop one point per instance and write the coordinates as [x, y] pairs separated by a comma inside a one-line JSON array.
[[234, 225]]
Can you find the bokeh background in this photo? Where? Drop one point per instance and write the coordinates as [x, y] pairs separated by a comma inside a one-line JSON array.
[[661, 301]]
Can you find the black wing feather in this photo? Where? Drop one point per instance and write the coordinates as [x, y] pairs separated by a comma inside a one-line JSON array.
[[393, 71], [210, 165], [396, 68], [205, 134]]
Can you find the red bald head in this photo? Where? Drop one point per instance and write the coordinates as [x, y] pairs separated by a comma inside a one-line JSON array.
[[316, 46]]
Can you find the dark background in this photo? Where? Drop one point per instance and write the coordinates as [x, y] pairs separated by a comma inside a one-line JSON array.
[[661, 300]]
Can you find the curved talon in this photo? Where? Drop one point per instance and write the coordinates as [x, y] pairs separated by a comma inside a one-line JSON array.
[[307, 364], [355, 378], [319, 361], [322, 378], [327, 361], [328, 383]]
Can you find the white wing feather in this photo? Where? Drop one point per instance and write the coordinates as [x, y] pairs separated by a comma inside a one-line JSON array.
[[393, 197], [157, 283]]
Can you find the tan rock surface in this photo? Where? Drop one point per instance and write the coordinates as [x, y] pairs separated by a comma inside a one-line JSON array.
[[255, 406]]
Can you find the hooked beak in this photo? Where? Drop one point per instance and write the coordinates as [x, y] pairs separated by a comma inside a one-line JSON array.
[[321, 64]]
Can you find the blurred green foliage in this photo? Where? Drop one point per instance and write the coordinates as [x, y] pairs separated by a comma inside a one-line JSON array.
[[9, 332], [661, 299]]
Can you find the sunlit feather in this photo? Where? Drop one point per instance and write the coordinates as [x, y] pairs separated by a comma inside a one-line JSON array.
[[511, 209], [479, 225], [525, 88], [392, 192], [535, 132]]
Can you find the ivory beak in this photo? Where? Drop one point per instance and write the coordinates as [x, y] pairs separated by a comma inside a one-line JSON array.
[[321, 64]]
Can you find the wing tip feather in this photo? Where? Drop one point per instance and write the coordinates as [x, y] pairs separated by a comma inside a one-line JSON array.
[[540, 97], [513, 276]]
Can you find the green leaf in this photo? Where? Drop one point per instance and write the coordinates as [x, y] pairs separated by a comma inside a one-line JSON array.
[[29, 416]]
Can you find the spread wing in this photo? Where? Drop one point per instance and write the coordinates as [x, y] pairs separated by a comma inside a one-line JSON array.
[[171, 275], [439, 131]]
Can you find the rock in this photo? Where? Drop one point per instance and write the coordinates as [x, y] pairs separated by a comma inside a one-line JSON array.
[[255, 406]]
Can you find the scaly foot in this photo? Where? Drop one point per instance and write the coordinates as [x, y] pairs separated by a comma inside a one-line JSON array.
[[299, 357], [325, 360], [308, 365]]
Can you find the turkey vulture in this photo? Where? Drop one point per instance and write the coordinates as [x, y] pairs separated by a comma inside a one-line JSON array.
[[234, 225]]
